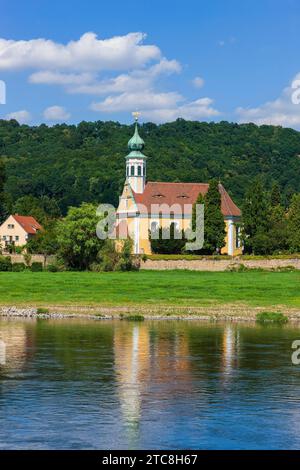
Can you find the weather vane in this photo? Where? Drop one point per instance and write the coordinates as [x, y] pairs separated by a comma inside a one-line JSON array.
[[136, 115]]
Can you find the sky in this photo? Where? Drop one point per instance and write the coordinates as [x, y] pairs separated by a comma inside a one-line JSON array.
[[213, 60]]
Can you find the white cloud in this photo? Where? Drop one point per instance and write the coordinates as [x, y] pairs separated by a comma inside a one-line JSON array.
[[56, 113], [198, 82], [159, 107], [283, 111], [22, 116], [49, 77], [123, 71], [140, 100], [133, 81], [193, 110], [87, 54]]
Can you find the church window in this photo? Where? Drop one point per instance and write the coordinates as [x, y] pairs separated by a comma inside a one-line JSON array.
[[132, 170], [139, 170], [237, 237], [154, 226]]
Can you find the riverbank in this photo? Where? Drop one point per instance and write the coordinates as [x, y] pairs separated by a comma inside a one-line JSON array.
[[154, 294], [229, 313]]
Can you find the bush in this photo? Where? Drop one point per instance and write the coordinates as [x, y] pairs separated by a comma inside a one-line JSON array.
[[36, 267], [52, 268], [167, 240], [237, 268], [18, 267], [134, 318], [5, 263], [112, 260], [271, 317], [19, 249], [42, 310]]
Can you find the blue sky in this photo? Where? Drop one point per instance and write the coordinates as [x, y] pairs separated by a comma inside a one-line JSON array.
[[204, 60]]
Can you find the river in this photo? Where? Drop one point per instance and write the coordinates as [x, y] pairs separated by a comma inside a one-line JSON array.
[[148, 385]]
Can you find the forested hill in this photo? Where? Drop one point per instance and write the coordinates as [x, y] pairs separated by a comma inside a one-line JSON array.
[[86, 162]]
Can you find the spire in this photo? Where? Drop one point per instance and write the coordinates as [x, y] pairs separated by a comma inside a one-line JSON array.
[[136, 142], [136, 160]]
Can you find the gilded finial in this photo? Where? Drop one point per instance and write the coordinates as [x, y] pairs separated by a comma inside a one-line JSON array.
[[136, 115]]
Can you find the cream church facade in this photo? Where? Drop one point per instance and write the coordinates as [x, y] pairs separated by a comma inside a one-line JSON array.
[[145, 206]]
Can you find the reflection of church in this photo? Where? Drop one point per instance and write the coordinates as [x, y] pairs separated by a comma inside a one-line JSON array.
[[144, 360], [15, 343], [146, 205]]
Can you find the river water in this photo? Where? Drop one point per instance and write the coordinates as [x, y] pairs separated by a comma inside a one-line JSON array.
[[147, 385]]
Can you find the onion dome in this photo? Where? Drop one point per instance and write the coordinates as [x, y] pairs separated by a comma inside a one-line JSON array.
[[136, 142]]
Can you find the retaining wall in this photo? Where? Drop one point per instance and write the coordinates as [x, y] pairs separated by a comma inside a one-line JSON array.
[[219, 265]]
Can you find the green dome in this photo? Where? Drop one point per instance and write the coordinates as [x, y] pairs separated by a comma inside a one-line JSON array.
[[136, 142]]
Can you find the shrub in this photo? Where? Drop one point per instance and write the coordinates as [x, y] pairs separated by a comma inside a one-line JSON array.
[[134, 317], [237, 268], [18, 267], [271, 317], [52, 268], [42, 310], [36, 267], [5, 263], [285, 269], [167, 240], [27, 258], [112, 260]]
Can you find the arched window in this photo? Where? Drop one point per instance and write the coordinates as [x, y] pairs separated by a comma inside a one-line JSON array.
[[154, 226], [139, 170], [127, 170], [132, 170]]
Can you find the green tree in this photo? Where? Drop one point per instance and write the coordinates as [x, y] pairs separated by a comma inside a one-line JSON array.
[[44, 242], [42, 209], [278, 230], [76, 235], [276, 198], [2, 195], [214, 224], [294, 224], [29, 205], [256, 219], [200, 200], [167, 240]]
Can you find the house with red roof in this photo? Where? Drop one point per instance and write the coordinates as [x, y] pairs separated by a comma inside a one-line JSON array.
[[145, 206], [17, 230]]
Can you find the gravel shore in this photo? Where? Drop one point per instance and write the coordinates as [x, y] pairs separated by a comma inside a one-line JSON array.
[[232, 313]]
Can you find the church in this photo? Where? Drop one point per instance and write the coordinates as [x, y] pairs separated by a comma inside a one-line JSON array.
[[146, 205]]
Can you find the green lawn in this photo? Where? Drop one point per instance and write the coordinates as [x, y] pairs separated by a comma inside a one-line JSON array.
[[182, 288]]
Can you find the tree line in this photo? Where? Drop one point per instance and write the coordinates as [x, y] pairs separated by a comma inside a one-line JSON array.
[[65, 165], [63, 172]]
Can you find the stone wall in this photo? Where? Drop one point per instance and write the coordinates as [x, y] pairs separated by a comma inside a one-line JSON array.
[[34, 258], [219, 265]]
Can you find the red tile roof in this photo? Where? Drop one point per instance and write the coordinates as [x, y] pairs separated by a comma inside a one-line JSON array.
[[181, 194], [28, 223]]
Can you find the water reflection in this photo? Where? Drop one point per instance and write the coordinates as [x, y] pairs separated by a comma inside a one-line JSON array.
[[132, 363], [152, 384]]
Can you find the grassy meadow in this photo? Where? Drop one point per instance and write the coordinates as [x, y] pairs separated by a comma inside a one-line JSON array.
[[151, 288]]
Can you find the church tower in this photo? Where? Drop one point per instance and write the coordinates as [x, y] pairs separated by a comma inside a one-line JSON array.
[[136, 161]]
